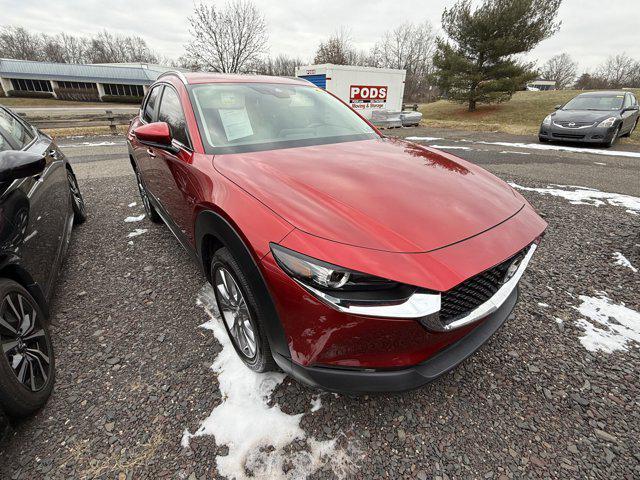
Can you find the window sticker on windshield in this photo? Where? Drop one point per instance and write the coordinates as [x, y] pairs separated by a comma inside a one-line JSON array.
[[236, 123]]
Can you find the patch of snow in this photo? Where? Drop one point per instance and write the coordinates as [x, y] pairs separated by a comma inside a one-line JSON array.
[[256, 433], [423, 139], [513, 152], [450, 147], [545, 146], [623, 261], [132, 204], [610, 327], [558, 320], [130, 242], [316, 403], [599, 163], [543, 305], [134, 219], [92, 144], [30, 236], [136, 232], [586, 196]]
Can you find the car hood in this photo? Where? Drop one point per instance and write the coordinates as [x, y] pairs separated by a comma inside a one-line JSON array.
[[381, 194], [583, 115]]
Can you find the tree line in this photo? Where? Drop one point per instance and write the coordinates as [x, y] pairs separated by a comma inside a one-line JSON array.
[[105, 47], [478, 59]]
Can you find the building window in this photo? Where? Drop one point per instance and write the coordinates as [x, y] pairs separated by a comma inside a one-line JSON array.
[[27, 85], [78, 85], [121, 90]]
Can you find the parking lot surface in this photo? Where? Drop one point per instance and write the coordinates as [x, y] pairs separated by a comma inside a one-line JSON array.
[[554, 394]]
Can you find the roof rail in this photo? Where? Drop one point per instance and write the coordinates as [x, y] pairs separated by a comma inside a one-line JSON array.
[[177, 73]]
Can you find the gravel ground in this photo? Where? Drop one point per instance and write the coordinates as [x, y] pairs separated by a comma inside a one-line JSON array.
[[134, 369]]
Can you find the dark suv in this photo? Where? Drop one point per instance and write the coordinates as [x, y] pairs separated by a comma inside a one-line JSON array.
[[593, 117]]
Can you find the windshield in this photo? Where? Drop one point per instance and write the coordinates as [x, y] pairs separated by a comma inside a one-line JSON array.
[[245, 117], [613, 102]]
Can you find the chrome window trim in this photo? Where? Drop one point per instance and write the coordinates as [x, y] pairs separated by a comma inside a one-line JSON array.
[[425, 306]]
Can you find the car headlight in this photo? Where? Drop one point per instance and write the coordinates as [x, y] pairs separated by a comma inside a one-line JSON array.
[[608, 123], [547, 121], [325, 276]]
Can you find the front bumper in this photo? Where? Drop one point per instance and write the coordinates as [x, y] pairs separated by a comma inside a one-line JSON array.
[[350, 380], [591, 134]]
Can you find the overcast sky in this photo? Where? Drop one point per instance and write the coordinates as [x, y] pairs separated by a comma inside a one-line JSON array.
[[591, 29]]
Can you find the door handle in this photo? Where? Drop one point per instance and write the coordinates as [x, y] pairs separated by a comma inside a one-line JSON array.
[[151, 153]]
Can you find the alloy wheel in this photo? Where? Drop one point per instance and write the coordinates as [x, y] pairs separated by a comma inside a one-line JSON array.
[[235, 312], [78, 200], [615, 137], [23, 342]]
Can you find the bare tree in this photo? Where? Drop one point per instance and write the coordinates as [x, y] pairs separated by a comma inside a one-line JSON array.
[[617, 71], [280, 66], [19, 43], [409, 47], [226, 40], [63, 48], [561, 69], [339, 50], [113, 48]]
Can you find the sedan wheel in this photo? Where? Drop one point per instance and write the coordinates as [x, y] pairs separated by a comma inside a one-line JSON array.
[[79, 207], [26, 352], [614, 138], [235, 313]]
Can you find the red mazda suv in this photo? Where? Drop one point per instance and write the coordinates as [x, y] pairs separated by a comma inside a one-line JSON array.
[[351, 261]]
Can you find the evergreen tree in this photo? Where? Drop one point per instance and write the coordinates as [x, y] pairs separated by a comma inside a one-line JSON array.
[[478, 63]]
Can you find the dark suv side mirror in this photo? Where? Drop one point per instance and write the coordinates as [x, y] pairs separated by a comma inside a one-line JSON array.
[[155, 134], [632, 108], [15, 164]]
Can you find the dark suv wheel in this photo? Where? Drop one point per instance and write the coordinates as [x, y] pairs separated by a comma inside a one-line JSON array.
[[27, 366], [240, 312]]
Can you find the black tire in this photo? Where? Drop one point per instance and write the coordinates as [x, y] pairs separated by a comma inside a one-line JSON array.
[[613, 140], [77, 200], [628, 134], [17, 399], [543, 140], [150, 210], [262, 360]]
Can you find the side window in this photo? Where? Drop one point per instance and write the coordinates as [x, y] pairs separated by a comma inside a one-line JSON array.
[[171, 113], [19, 133], [152, 104], [634, 101], [4, 145], [627, 101]]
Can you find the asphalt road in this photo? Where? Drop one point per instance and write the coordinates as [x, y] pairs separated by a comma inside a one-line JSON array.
[[538, 401]]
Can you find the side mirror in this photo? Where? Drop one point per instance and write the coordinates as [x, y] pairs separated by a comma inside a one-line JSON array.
[[632, 108], [15, 164], [557, 107], [155, 134]]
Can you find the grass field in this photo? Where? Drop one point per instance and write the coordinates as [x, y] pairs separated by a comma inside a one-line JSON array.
[[521, 115], [15, 102]]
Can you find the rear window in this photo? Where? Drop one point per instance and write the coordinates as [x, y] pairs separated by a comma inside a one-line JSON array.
[[259, 116], [19, 134]]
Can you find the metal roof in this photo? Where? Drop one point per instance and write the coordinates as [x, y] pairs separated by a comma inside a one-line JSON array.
[[133, 74]]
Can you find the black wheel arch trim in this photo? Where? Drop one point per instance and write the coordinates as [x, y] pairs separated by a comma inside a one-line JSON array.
[[11, 268], [214, 224]]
